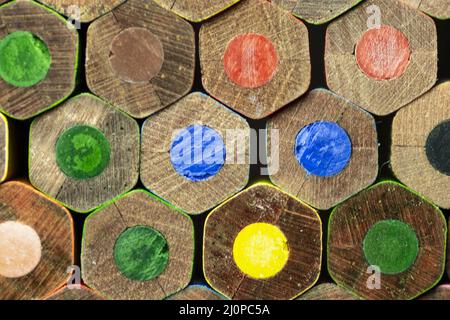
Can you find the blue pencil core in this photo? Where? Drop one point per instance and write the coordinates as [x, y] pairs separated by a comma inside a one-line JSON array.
[[323, 148], [197, 153]]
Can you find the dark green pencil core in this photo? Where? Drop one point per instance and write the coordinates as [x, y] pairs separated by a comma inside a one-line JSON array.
[[392, 245], [24, 59], [82, 152], [141, 253]]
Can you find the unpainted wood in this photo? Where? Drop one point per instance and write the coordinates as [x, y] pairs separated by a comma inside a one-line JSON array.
[[327, 291], [410, 130], [87, 10], [137, 208], [176, 76], [81, 293], [441, 292], [62, 42], [349, 224], [289, 175], [262, 203], [290, 38], [196, 10], [157, 172], [435, 8], [344, 76], [317, 11], [196, 292], [53, 223], [119, 176]]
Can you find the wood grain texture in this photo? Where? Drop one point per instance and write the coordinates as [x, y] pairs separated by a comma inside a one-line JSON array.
[[262, 203], [88, 9], [317, 12], [327, 291], [20, 202], [381, 97], [349, 223], [157, 172], [323, 192], [196, 292], [410, 130], [62, 42], [82, 293], [196, 10], [288, 35], [137, 208], [436, 8], [119, 176], [174, 80], [441, 292]]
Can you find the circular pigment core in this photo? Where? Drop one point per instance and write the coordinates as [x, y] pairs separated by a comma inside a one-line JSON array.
[[250, 60], [323, 149], [260, 250], [197, 153], [438, 148], [136, 55], [20, 249], [383, 53], [141, 253], [24, 59], [82, 152], [391, 245]]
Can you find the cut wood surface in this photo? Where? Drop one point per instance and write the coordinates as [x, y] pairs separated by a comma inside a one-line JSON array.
[[416, 160], [441, 292], [62, 42], [158, 173], [83, 10], [347, 243], [196, 292], [290, 175], [248, 22], [317, 12], [113, 34], [435, 8], [344, 73], [32, 213], [137, 208], [83, 194], [81, 293], [196, 10], [262, 204], [327, 291]]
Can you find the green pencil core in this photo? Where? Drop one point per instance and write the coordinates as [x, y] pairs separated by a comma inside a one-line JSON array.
[[392, 245], [141, 253], [24, 59], [82, 152]]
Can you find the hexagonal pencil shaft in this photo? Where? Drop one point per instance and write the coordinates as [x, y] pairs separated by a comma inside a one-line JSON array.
[[195, 153], [141, 57], [38, 54], [322, 155], [420, 147], [262, 244], [83, 10], [36, 243], [327, 291], [435, 8], [84, 153], [196, 292], [381, 55], [317, 11], [81, 293], [387, 243], [255, 58], [7, 149], [146, 249], [196, 10]]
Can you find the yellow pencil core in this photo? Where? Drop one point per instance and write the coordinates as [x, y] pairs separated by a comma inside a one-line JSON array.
[[260, 250]]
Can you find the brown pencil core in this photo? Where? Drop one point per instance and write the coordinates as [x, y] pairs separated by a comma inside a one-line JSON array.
[[20, 249], [136, 55], [383, 53]]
